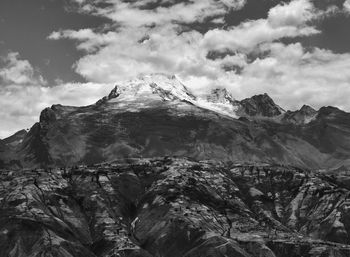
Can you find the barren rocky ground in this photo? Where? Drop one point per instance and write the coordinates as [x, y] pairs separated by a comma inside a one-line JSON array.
[[174, 207]]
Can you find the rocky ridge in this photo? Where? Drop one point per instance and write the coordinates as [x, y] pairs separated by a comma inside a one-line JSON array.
[[260, 105]]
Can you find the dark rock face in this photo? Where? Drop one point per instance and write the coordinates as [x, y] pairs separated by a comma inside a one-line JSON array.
[[15, 139], [260, 105], [48, 115], [3, 146], [113, 94], [3, 149], [221, 95], [36, 141], [173, 207], [8, 147], [305, 115], [329, 110]]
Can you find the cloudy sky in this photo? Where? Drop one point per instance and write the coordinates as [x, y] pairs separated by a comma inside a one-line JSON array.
[[73, 51]]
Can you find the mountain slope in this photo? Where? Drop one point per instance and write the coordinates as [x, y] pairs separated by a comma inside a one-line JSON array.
[[8, 147], [157, 115], [15, 139]]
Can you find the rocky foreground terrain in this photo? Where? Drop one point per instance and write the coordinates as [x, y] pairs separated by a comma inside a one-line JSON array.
[[174, 207]]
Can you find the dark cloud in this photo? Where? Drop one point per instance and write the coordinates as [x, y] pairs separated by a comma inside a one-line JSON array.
[[214, 55], [253, 10], [150, 5], [324, 4]]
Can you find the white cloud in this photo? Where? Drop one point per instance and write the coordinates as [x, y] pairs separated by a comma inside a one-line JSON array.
[[17, 71], [347, 6], [285, 20], [235, 4], [136, 48], [288, 72], [250, 34], [24, 94], [90, 41], [160, 51], [24, 104], [296, 13], [294, 76]]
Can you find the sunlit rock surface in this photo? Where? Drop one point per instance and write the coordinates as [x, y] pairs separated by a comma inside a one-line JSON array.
[[174, 207]]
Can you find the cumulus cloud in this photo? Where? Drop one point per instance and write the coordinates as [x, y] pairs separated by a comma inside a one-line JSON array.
[[17, 71], [347, 6], [284, 20], [294, 76], [249, 35], [296, 13], [152, 40], [136, 47]]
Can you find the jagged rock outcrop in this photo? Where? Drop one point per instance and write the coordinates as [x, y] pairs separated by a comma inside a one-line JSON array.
[[173, 207], [303, 116], [221, 95], [260, 105], [48, 116]]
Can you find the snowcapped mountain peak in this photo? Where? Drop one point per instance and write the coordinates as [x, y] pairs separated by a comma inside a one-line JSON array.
[[148, 91], [168, 86], [150, 87]]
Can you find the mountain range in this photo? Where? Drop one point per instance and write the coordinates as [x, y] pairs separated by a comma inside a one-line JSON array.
[[157, 115], [154, 170]]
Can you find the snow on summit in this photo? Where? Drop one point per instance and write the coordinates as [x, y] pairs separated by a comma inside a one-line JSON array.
[[143, 90], [153, 89]]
